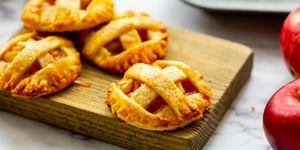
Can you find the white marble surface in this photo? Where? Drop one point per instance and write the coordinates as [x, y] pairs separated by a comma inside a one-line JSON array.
[[241, 128]]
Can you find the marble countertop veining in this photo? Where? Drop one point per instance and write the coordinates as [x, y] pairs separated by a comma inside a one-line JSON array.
[[241, 126]]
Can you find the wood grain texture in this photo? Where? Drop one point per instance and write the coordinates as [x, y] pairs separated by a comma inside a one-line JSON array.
[[226, 66]]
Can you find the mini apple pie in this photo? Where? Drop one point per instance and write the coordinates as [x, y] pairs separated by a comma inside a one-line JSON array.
[[129, 38], [33, 65], [163, 96], [66, 15]]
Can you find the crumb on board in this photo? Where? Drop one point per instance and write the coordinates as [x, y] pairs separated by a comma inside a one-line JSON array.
[[252, 109], [82, 83], [209, 81]]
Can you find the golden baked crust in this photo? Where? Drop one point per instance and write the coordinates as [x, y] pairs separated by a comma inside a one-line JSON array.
[[66, 15], [32, 65], [165, 96], [129, 38]]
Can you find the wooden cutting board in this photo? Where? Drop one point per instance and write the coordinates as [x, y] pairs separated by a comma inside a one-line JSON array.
[[226, 66]]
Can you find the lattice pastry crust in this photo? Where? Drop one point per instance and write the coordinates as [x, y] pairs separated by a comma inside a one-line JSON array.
[[129, 38], [165, 96], [32, 65], [66, 15]]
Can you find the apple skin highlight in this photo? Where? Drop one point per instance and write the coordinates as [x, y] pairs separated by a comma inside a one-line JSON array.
[[281, 118], [289, 41]]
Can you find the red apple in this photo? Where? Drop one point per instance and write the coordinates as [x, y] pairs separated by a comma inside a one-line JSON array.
[[281, 117], [290, 41]]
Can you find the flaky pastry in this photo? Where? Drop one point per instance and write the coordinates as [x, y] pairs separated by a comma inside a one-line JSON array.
[[66, 15], [33, 65], [165, 96], [129, 38]]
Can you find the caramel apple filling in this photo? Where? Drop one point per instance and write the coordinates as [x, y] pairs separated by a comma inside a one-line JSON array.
[[188, 87], [157, 104]]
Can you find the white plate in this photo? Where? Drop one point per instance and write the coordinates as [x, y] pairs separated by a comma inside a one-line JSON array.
[[262, 6]]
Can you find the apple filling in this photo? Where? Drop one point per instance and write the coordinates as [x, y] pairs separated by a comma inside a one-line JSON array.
[[188, 87], [158, 103], [32, 69], [154, 102], [41, 6], [49, 2], [8, 56], [83, 3], [129, 86], [155, 105], [126, 40]]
